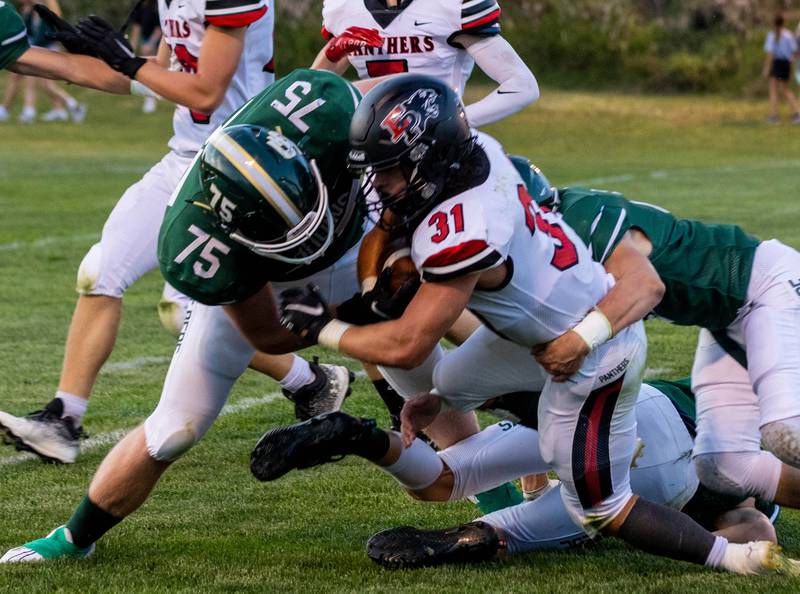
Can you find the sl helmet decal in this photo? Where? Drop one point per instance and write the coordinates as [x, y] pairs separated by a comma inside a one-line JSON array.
[[408, 120]]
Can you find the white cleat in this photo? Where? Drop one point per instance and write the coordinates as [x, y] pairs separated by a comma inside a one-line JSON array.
[[44, 432], [758, 557], [56, 545], [55, 115], [78, 112]]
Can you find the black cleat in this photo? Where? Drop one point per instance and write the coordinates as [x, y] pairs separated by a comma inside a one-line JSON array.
[[44, 432], [409, 547], [325, 394], [326, 438]]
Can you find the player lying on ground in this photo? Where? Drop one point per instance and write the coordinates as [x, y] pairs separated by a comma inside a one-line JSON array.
[[662, 471], [467, 210], [744, 294], [440, 38], [213, 57]]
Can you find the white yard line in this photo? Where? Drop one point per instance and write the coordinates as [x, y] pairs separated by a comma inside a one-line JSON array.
[[46, 242], [134, 364], [105, 439], [652, 372]]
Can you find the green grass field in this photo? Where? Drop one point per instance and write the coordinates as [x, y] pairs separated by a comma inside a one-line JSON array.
[[209, 525]]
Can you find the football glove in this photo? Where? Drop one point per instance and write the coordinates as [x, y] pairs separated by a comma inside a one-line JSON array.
[[379, 303], [63, 32], [304, 312], [110, 45], [351, 41]]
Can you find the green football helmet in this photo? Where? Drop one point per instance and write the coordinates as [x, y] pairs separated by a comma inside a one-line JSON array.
[[265, 194], [537, 184]]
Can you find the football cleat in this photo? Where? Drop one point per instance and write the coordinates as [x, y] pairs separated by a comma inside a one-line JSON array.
[[769, 508], [325, 394], [78, 112], [500, 497], [758, 557], [55, 115], [409, 547], [44, 432], [56, 545], [326, 438]]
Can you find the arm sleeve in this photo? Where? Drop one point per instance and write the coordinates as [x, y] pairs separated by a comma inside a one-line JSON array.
[[234, 13], [517, 84]]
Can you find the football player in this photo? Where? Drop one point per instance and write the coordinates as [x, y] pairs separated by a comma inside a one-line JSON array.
[[252, 213], [743, 293], [480, 239], [441, 38], [662, 471], [214, 55]]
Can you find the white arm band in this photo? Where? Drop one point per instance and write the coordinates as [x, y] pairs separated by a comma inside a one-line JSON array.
[[594, 329], [138, 88], [518, 86], [331, 334]]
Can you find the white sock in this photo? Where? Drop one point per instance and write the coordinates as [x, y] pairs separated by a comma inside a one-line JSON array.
[[299, 375], [717, 553], [417, 467], [72, 103], [74, 406]]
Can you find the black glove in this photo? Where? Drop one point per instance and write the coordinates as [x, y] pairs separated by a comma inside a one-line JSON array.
[[63, 32], [378, 304], [110, 45], [304, 312]]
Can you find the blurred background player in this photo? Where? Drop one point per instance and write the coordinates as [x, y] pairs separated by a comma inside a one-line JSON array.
[[145, 35], [780, 47], [65, 106]]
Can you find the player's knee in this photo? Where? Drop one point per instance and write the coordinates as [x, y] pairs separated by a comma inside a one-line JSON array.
[[730, 473], [782, 438], [168, 439], [758, 526], [93, 279]]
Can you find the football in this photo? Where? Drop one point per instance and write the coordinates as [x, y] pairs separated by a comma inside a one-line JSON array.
[[397, 257]]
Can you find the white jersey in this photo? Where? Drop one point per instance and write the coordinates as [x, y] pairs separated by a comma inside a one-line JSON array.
[[417, 38], [183, 24], [552, 282]]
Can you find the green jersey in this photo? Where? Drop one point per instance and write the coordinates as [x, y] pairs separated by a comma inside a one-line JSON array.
[[13, 35], [705, 268], [313, 108]]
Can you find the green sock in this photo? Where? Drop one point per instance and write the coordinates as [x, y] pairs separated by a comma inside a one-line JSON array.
[[500, 497], [88, 523]]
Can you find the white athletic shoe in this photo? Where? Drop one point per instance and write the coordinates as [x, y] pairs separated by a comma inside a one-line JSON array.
[[78, 112], [44, 432], [55, 115], [3, 114], [757, 557], [325, 394], [28, 115], [56, 545]]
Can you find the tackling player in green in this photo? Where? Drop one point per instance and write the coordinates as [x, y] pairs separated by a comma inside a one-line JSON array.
[[745, 295]]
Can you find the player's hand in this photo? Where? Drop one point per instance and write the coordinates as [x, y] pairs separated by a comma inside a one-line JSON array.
[[379, 303], [562, 357], [304, 312], [62, 31], [351, 41], [110, 45], [418, 413]]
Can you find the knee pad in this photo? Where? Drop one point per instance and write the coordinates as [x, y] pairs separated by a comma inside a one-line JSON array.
[[172, 309], [742, 474], [89, 271], [782, 438], [167, 437]]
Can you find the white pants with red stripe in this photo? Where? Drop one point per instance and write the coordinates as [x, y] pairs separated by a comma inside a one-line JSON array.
[[587, 424]]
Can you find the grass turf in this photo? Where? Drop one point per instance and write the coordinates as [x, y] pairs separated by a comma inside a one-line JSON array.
[[209, 526]]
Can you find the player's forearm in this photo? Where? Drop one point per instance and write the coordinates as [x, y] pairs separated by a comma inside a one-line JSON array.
[[517, 84], [394, 343], [195, 91], [321, 62], [634, 295], [80, 70]]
